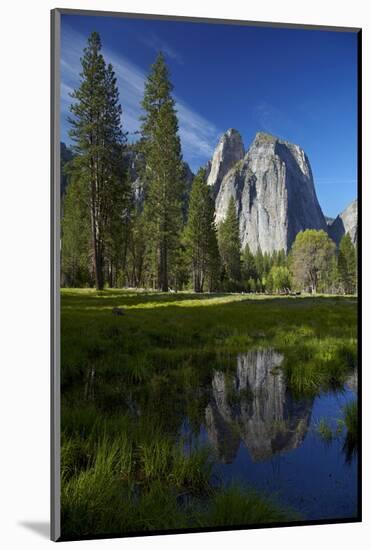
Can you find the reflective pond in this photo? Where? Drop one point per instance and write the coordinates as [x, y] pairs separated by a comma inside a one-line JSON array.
[[267, 439]]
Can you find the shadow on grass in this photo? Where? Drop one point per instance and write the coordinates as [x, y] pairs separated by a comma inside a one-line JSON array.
[[89, 299]]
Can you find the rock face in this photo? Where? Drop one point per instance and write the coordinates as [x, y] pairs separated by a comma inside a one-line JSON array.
[[229, 150], [132, 162], [346, 222], [274, 193], [255, 408]]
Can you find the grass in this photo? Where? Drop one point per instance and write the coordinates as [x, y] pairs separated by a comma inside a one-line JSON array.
[[108, 495], [112, 487], [351, 418], [129, 381], [234, 506], [351, 423], [324, 430]]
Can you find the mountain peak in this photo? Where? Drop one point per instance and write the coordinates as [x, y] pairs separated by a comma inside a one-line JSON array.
[[264, 137], [345, 222], [229, 150], [274, 194]]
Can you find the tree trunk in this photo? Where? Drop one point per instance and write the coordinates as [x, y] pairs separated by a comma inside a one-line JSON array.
[[99, 279], [196, 280], [110, 273], [163, 283], [96, 256]]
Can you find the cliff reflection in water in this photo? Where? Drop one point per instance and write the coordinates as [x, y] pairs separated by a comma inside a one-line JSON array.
[[254, 406]]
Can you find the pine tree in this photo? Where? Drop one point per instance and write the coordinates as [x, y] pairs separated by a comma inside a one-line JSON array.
[[163, 174], [267, 263], [117, 191], [229, 243], [200, 235], [75, 232], [136, 250], [281, 258], [214, 268], [251, 285], [97, 133], [248, 264], [347, 264], [259, 263]]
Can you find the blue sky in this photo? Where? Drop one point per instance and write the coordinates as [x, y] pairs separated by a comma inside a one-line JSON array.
[[300, 85]]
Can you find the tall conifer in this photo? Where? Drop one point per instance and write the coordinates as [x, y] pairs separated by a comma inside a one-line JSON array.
[[230, 244], [200, 235], [97, 133], [163, 173], [347, 264]]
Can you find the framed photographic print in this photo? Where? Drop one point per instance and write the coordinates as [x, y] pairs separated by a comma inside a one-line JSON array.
[[206, 179]]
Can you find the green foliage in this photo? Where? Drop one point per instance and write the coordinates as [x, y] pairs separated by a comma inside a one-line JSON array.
[[234, 506], [98, 161], [259, 263], [200, 236], [136, 250], [75, 230], [229, 244], [321, 363], [278, 279], [163, 174], [347, 264], [350, 422], [324, 430], [248, 267], [351, 419], [66, 157], [251, 285], [310, 259]]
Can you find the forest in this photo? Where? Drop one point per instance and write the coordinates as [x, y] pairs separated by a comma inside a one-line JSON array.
[[163, 236]]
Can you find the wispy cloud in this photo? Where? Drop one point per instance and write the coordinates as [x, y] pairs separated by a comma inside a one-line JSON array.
[[157, 44], [198, 135]]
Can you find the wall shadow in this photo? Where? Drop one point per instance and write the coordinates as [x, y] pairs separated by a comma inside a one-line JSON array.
[[41, 528]]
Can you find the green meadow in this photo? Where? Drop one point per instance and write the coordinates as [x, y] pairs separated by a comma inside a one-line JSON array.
[[132, 365]]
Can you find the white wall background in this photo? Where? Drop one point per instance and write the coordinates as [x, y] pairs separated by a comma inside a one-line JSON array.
[[24, 272]]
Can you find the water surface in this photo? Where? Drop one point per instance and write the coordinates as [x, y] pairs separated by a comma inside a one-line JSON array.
[[267, 439]]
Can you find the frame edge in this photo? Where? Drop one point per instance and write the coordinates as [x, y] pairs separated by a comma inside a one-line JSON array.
[[55, 523]]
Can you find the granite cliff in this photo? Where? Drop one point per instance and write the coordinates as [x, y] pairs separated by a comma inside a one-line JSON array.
[[346, 222], [274, 192], [229, 150]]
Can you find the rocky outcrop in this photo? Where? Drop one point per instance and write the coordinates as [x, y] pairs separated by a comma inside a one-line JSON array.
[[274, 193], [255, 407], [229, 150], [346, 222], [133, 161]]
